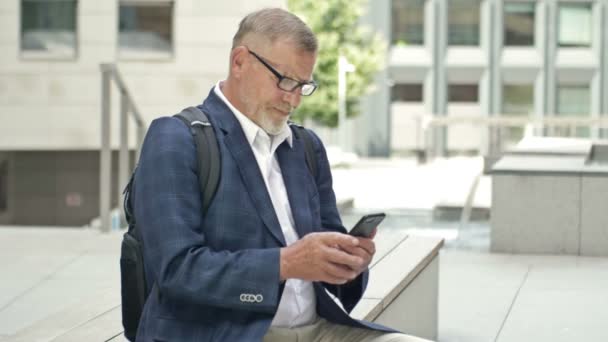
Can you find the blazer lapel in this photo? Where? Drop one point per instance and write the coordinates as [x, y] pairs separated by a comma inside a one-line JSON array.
[[239, 147], [294, 168], [252, 177]]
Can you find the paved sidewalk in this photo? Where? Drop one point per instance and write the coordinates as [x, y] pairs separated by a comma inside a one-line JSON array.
[[483, 296], [386, 184], [47, 272], [513, 298]]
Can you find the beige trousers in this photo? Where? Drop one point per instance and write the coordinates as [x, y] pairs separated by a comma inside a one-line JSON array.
[[324, 331]]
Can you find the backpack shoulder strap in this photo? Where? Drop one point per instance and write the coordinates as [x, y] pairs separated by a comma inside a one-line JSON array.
[[311, 159], [207, 151], [126, 204]]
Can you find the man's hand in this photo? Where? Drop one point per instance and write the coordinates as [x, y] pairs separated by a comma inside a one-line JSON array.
[[365, 249], [325, 257]]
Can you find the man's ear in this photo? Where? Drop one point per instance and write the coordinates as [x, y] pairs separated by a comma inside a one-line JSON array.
[[238, 60]]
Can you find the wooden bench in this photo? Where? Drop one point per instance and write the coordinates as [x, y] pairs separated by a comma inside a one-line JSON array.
[[402, 293]]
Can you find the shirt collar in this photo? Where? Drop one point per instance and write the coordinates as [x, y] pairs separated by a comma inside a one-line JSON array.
[[250, 128]]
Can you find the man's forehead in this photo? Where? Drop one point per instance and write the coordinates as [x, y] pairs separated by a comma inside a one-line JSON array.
[[292, 60]]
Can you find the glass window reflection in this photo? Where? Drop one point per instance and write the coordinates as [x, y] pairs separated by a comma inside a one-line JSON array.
[[574, 100], [49, 27], [575, 25], [145, 28], [463, 22], [408, 22], [519, 23]]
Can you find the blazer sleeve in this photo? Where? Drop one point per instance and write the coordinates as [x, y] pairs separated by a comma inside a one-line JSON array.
[[168, 212], [351, 292]]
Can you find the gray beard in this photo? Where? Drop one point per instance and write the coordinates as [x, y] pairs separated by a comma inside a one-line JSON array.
[[266, 123], [269, 127]]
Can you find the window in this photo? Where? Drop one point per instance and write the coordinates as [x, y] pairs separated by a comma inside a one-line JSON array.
[[405, 92], [408, 22], [574, 100], [517, 100], [519, 23], [463, 22], [48, 27], [575, 25], [3, 185], [463, 92], [145, 28]]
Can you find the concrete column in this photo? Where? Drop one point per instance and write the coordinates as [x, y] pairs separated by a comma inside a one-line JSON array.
[[603, 58], [596, 80], [372, 130], [430, 79], [439, 100], [540, 83], [492, 14], [105, 170], [549, 39]]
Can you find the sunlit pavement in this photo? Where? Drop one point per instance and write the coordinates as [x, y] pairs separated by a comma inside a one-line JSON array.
[[482, 296]]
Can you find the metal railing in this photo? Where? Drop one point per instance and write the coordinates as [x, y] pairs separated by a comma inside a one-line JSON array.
[[494, 142], [496, 125], [109, 73]]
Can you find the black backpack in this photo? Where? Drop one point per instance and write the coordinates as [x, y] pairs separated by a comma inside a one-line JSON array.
[[134, 289]]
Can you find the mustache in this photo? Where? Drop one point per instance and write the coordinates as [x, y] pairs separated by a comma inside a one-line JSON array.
[[287, 108]]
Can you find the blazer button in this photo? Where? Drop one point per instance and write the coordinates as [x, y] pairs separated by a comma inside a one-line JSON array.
[[251, 298]]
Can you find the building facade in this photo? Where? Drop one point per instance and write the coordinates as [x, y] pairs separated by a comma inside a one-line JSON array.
[[484, 57], [446, 58], [170, 52]]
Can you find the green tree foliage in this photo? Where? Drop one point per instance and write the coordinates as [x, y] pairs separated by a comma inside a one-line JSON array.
[[337, 26]]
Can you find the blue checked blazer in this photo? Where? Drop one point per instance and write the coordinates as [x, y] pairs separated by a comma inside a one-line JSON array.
[[207, 266]]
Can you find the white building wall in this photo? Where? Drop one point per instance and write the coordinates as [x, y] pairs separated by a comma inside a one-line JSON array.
[[407, 133], [54, 104], [492, 65], [464, 137]]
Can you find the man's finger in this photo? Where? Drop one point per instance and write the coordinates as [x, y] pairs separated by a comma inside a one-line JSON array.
[[334, 280], [339, 256], [339, 239], [341, 272], [358, 251], [368, 245]]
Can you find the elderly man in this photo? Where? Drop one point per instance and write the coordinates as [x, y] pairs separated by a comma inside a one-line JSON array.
[[256, 265]]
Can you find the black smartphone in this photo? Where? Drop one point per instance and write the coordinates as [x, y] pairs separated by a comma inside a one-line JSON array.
[[366, 225]]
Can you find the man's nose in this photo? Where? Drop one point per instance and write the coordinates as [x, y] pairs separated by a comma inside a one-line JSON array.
[[293, 98]]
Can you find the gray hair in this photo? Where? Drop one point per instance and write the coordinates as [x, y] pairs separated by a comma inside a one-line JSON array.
[[275, 23]]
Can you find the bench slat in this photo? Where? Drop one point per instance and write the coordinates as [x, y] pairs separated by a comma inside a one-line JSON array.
[[393, 273], [367, 307], [386, 241]]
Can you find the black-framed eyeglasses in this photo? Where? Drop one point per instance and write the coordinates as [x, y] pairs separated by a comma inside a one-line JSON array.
[[288, 84]]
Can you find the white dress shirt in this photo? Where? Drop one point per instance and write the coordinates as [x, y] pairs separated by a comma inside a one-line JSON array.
[[298, 303]]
